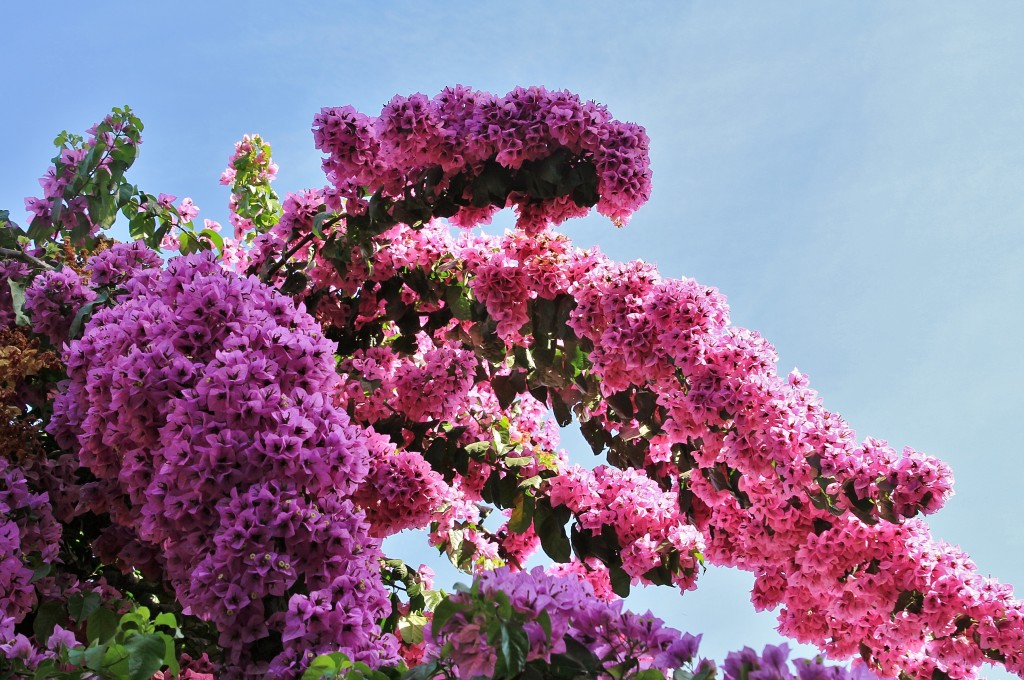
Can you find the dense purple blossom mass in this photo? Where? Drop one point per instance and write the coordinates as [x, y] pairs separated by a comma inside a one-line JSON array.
[[198, 404]]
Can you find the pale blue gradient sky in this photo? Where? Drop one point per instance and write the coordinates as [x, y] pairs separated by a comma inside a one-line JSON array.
[[849, 174]]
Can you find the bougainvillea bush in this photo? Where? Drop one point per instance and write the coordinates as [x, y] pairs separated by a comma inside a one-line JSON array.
[[208, 433]]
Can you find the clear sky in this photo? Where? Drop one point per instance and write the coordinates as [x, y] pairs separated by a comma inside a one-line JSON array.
[[848, 173]]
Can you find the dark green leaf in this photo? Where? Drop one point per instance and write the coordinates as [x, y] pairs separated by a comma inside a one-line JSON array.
[[512, 650], [563, 416], [424, 671], [459, 302], [47, 616], [577, 660], [522, 513], [101, 625], [102, 210], [620, 581], [508, 387], [549, 524], [40, 229], [492, 185], [84, 313], [294, 283], [82, 606]]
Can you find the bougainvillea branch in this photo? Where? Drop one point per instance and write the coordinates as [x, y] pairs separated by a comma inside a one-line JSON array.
[[234, 431]]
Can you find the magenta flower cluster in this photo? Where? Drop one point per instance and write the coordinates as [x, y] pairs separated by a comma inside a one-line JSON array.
[[646, 519], [774, 664], [460, 129], [400, 492], [115, 265], [29, 540], [53, 300], [723, 402], [198, 404]]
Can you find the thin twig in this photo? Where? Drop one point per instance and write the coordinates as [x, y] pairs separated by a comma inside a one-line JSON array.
[[304, 241]]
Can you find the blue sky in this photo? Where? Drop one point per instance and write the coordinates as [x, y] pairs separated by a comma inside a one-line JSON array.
[[849, 174]]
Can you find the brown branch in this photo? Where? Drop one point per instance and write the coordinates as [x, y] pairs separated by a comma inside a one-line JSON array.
[[21, 255]]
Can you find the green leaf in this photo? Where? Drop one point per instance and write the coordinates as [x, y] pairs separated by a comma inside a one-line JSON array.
[[444, 611], [145, 655], [167, 620], [649, 674], [9, 232], [411, 629], [318, 223], [545, 623], [478, 448], [707, 672], [213, 237], [170, 655], [620, 581], [84, 312], [101, 625], [522, 513], [323, 666], [48, 670], [47, 616], [18, 301], [40, 572], [459, 301], [81, 606], [94, 657]]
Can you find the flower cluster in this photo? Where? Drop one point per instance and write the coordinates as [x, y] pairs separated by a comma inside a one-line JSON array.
[[82, 189], [764, 466], [115, 265], [253, 204], [774, 664], [53, 300], [433, 385], [645, 518], [613, 636], [198, 404], [460, 130], [29, 540], [400, 492]]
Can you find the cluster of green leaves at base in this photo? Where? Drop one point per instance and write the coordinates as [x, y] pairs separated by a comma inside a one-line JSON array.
[[132, 646]]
